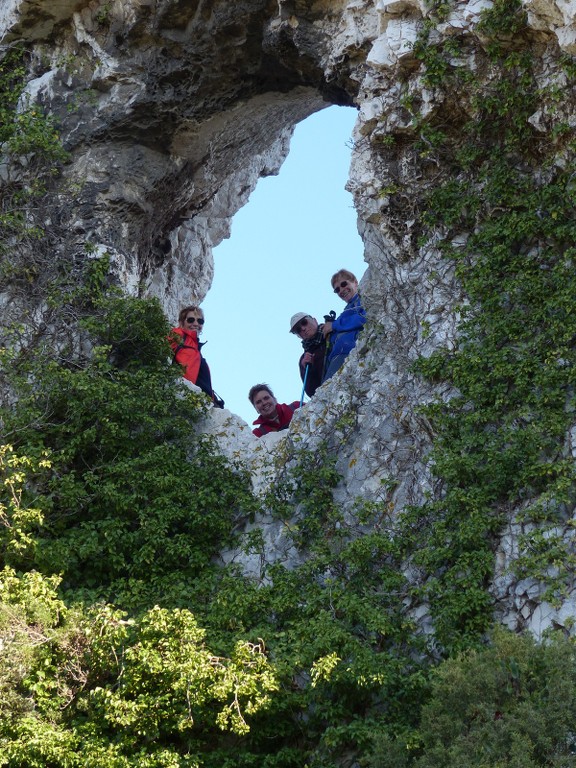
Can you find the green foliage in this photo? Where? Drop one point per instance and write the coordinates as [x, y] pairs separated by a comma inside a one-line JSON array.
[[29, 607], [130, 492], [25, 130], [106, 687], [33, 155], [344, 652], [103, 14], [128, 692], [18, 520], [12, 78], [305, 495], [166, 681], [503, 18], [500, 435], [108, 484], [511, 705]]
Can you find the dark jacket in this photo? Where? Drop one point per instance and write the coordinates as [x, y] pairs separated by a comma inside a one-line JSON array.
[[345, 329], [317, 348], [285, 413]]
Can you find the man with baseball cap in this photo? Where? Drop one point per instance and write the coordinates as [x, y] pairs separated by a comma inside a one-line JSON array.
[[311, 362]]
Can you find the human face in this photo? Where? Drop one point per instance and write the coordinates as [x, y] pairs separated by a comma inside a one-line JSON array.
[[194, 321], [265, 404], [346, 289], [306, 328]]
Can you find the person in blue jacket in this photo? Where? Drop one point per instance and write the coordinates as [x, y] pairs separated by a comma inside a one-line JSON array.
[[343, 331]]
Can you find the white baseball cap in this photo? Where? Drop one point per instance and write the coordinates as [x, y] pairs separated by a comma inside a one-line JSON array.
[[295, 319]]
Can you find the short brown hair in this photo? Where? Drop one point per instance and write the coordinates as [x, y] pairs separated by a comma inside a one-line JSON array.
[[345, 273], [257, 388], [184, 312]]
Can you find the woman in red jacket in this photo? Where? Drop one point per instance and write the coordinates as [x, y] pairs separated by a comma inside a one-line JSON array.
[[187, 350]]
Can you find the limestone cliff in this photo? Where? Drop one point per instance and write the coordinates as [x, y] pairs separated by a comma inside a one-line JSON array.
[[171, 110]]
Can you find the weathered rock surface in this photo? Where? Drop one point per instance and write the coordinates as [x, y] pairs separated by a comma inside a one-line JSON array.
[[172, 110]]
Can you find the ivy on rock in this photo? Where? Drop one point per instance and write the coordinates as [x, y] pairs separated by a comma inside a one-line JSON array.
[[506, 214]]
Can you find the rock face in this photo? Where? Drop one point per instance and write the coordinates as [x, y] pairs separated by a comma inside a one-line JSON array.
[[173, 109]]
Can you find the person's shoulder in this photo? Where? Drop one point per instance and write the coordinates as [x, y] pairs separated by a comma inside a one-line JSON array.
[[259, 430], [355, 305], [175, 337], [294, 404]]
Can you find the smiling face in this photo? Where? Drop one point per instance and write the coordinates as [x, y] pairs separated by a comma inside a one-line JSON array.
[[344, 287], [194, 320], [265, 404], [306, 328]]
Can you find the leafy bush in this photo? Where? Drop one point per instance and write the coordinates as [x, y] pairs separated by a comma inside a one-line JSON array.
[[131, 492], [511, 705], [108, 492], [98, 689]]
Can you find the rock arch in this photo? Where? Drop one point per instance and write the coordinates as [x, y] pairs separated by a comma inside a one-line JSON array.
[[172, 110]]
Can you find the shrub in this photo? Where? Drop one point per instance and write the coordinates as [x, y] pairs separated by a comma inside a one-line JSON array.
[[132, 493], [510, 705]]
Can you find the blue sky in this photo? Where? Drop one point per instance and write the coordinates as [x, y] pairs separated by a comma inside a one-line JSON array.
[[297, 229]]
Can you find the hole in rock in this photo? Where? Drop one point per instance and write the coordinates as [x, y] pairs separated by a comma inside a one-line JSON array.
[[297, 229]]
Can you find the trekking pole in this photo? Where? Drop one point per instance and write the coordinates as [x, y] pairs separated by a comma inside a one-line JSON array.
[[329, 318], [304, 385]]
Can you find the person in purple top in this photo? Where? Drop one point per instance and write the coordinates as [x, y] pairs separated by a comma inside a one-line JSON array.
[[343, 331]]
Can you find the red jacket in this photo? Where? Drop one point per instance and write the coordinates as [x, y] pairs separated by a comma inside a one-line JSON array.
[[187, 352], [285, 413]]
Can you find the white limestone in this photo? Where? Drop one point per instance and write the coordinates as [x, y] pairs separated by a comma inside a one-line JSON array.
[[178, 127]]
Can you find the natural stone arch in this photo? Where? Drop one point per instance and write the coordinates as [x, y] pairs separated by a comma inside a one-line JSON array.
[[147, 92], [171, 112]]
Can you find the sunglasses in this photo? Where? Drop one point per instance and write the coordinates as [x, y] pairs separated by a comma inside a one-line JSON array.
[[199, 320], [343, 284], [302, 324]]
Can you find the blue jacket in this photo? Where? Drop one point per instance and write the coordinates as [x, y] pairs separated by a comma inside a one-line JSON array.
[[345, 328]]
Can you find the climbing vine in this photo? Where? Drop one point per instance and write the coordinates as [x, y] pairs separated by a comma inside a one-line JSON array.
[[29, 138], [501, 449]]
